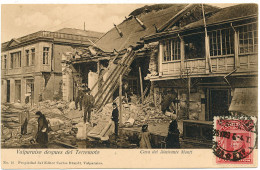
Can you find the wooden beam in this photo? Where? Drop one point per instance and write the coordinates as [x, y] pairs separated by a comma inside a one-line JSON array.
[[176, 18], [120, 100], [141, 85], [237, 65], [188, 96], [182, 54]]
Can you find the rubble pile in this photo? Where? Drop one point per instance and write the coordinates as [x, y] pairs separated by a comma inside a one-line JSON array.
[[134, 113], [57, 115]]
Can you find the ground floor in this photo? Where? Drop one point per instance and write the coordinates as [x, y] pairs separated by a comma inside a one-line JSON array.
[[31, 88], [197, 101]]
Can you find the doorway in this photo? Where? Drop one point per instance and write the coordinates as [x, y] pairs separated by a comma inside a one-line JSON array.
[[219, 102], [18, 91], [8, 92]]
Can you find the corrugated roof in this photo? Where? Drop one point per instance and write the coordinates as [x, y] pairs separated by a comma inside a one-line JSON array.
[[229, 13], [132, 31]]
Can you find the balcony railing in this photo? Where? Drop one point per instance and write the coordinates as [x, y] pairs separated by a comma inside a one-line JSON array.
[[57, 35]]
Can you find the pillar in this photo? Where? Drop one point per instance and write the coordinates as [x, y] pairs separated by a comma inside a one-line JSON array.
[[160, 59]]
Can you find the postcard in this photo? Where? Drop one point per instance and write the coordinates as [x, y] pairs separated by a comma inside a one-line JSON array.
[[171, 85]]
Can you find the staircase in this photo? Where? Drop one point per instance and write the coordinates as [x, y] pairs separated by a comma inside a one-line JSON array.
[[118, 66]]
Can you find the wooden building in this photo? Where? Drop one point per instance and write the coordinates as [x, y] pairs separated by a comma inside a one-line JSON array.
[[207, 63]]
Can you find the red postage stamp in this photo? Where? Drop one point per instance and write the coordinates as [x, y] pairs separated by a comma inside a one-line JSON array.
[[234, 140]]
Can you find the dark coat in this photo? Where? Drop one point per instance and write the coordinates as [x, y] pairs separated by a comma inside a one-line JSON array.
[[172, 139], [42, 137], [115, 114], [88, 101]]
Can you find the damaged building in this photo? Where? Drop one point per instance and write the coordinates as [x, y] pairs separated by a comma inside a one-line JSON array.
[[31, 65], [121, 51], [212, 66]]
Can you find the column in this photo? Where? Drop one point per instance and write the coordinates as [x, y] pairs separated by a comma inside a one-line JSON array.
[[160, 59]]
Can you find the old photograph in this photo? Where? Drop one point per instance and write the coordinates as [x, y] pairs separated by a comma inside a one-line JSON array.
[[131, 76]]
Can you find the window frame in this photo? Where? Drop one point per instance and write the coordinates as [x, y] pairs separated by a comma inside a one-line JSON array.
[[32, 56], [171, 50], [27, 58], [16, 60], [254, 42], [219, 42], [45, 57]]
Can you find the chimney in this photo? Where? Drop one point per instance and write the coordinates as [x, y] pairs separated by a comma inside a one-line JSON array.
[[140, 22], [118, 30]]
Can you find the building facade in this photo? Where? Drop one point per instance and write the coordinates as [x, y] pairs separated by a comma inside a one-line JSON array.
[[31, 65], [208, 64]]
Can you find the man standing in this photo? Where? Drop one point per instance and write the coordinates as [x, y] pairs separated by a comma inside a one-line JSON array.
[[88, 102], [115, 117], [79, 98]]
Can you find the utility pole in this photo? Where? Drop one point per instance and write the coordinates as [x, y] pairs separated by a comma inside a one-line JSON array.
[[120, 100], [141, 85], [84, 27], [188, 97]]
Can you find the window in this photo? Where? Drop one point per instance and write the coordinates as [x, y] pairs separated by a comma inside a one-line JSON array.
[[27, 57], [221, 42], [248, 38], [4, 60], [33, 56], [45, 55], [133, 85], [12, 61], [15, 60], [171, 50], [194, 46]]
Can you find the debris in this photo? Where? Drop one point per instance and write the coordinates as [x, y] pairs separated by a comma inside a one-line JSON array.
[[72, 105], [56, 124]]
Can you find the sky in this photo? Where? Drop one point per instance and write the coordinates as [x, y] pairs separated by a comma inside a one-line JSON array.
[[21, 19]]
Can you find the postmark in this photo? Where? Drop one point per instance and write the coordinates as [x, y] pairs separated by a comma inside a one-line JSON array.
[[234, 139]]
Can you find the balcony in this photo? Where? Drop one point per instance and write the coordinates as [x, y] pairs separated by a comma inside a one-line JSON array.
[[246, 64]]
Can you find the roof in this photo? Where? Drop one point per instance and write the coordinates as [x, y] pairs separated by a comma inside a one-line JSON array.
[[132, 31], [93, 34], [228, 13], [224, 15]]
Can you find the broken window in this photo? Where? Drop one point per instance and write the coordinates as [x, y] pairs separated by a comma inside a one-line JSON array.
[[171, 50], [45, 59], [194, 46], [248, 41], [33, 56], [221, 42], [15, 60], [27, 57]]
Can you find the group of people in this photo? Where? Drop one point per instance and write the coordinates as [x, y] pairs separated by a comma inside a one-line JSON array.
[[172, 139], [86, 101]]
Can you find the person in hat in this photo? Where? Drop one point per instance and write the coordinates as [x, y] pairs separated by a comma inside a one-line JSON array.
[[115, 116], [172, 139], [145, 138], [88, 102], [79, 98], [42, 133]]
